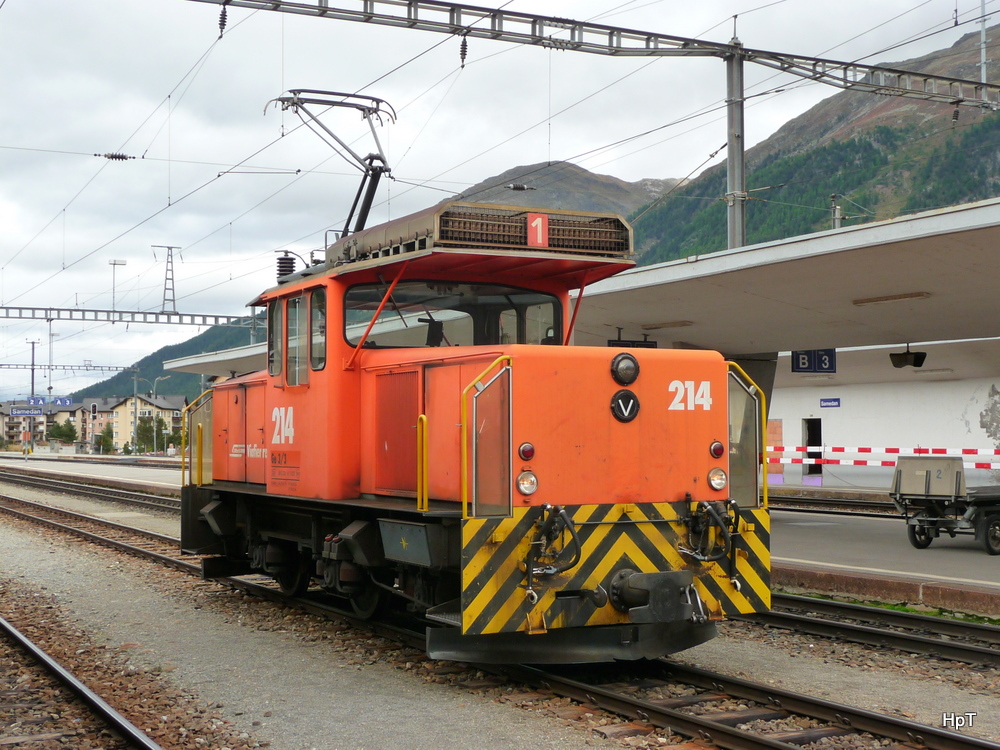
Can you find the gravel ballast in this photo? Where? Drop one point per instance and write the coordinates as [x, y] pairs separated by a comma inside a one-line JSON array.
[[285, 690]]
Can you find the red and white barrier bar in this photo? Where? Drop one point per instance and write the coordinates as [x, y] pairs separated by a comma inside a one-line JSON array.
[[862, 462], [886, 451]]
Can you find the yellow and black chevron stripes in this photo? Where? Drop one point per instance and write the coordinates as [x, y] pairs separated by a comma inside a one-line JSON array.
[[643, 537]]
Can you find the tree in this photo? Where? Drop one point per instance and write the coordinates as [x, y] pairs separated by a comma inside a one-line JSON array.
[[106, 440], [144, 434], [65, 432], [144, 438]]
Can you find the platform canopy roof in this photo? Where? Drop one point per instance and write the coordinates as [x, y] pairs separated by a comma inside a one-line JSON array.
[[926, 277], [929, 277]]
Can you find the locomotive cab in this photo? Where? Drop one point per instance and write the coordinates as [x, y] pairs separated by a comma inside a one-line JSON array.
[[424, 437]]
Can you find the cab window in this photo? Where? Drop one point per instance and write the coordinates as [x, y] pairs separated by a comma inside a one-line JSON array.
[[442, 313]]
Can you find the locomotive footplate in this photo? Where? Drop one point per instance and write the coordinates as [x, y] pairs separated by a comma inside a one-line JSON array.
[[580, 645]]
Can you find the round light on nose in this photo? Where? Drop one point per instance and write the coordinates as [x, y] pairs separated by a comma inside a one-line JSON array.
[[717, 449], [527, 483], [717, 479], [526, 451], [624, 368]]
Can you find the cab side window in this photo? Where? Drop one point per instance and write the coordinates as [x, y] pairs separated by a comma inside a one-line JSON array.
[[298, 342], [275, 336], [317, 329]]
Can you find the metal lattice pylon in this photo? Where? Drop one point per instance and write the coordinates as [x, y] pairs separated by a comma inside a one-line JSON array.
[[169, 297]]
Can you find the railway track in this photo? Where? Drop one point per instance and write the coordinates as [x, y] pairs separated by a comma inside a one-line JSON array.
[[969, 642], [729, 712], [166, 550], [100, 492], [42, 701], [832, 505], [159, 547]]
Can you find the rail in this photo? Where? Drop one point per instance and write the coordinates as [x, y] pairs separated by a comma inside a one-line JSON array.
[[129, 731]]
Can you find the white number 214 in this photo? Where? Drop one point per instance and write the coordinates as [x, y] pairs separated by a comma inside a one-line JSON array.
[[688, 397], [284, 425]]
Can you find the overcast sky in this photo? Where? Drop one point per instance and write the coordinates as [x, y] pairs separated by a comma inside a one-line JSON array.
[[230, 184]]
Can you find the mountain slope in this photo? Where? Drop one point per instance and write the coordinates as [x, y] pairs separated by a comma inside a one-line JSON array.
[[881, 156], [564, 185]]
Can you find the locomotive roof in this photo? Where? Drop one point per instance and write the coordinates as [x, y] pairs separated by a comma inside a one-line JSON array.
[[490, 241]]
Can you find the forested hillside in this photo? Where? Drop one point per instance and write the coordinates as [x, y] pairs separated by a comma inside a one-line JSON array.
[[880, 156]]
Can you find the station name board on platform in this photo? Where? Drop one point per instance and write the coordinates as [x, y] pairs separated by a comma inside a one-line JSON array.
[[23, 412]]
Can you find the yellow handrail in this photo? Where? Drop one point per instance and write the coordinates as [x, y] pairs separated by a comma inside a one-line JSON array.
[[423, 483], [763, 428], [465, 429], [184, 429], [200, 463]]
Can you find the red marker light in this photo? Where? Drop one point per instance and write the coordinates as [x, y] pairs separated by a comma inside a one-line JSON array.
[[526, 451], [717, 449]]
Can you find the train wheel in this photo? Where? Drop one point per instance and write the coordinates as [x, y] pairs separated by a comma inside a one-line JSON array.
[[919, 535], [293, 578], [366, 601], [991, 535]]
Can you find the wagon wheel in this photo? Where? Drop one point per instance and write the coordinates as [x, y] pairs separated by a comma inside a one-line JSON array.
[[991, 535], [293, 579], [919, 534], [366, 601]]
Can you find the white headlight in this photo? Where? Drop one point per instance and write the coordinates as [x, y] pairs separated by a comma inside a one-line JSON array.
[[527, 483], [717, 479], [624, 368]]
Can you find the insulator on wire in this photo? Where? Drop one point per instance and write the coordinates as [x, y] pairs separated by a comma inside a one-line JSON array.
[[115, 157], [463, 51], [518, 186], [286, 265], [954, 117], [222, 21]]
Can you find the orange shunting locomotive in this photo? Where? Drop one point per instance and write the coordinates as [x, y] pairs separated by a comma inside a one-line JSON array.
[[426, 438]]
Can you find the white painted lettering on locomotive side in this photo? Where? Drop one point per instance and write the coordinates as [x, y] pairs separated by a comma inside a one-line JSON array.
[[689, 396], [256, 451], [284, 425]]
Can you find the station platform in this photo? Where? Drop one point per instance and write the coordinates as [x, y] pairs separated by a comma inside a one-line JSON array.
[[845, 493], [857, 557]]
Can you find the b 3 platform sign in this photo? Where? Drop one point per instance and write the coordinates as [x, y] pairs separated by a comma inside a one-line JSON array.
[[815, 360]]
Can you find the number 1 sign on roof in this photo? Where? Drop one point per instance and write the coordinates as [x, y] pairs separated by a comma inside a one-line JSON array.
[[538, 230]]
